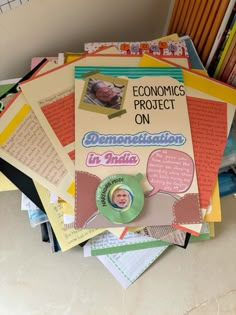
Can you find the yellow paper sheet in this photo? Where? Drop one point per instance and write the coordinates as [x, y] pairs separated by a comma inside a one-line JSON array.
[[71, 56], [6, 184], [213, 213], [173, 36], [212, 229]]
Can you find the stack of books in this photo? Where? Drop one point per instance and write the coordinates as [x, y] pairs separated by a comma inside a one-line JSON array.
[[117, 149], [221, 63], [211, 25]]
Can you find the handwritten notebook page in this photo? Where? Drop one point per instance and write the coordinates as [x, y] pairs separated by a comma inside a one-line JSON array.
[[106, 243]]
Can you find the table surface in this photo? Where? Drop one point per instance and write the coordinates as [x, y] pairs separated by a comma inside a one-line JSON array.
[[198, 280]]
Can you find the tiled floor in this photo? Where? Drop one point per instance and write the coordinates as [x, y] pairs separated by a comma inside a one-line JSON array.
[[200, 280]]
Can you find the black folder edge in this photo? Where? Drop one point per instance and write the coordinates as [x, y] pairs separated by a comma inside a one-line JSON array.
[[26, 185], [23, 182], [15, 88], [187, 239]]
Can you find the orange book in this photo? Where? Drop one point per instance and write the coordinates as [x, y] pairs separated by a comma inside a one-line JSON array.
[[202, 22], [211, 28], [193, 14], [182, 17], [197, 19], [188, 17]]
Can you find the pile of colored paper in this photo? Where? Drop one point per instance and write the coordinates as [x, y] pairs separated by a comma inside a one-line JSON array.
[[117, 149]]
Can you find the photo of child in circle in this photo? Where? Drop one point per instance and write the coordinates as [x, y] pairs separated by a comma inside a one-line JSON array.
[[121, 197]]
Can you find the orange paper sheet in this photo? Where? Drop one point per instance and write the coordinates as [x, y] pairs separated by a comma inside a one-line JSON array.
[[208, 120]]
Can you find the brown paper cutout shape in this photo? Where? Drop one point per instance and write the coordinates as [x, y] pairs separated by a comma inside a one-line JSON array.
[[85, 185], [185, 210]]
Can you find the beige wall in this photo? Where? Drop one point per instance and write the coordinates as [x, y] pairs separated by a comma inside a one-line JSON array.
[[46, 27]]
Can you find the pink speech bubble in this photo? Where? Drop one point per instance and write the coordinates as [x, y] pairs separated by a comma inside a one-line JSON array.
[[169, 170]]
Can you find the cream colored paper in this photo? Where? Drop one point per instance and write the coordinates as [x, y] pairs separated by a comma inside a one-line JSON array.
[[48, 66], [61, 80], [5, 183], [85, 120], [58, 83], [24, 144]]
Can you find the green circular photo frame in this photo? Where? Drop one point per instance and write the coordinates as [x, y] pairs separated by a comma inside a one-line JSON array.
[[132, 203]]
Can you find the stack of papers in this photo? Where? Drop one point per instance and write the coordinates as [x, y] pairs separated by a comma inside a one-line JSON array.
[[117, 149]]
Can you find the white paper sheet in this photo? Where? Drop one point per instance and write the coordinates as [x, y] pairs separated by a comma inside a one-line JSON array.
[[27, 204], [127, 267]]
